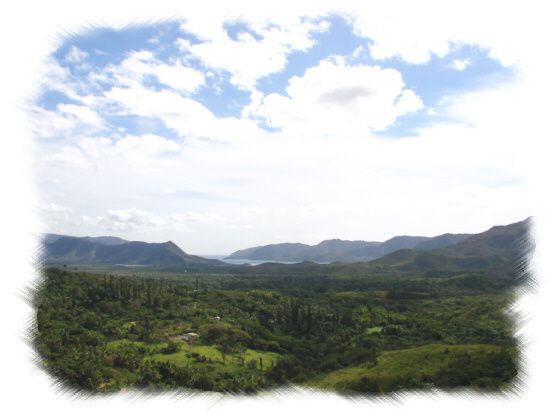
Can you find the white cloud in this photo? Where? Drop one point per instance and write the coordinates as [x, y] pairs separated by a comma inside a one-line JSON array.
[[54, 77], [54, 208], [179, 77], [461, 64], [139, 64], [132, 219], [65, 120], [81, 114], [75, 55], [410, 30], [186, 116], [128, 219], [49, 124], [168, 190], [189, 217], [248, 58], [58, 215], [68, 155], [147, 147], [147, 152], [333, 98], [359, 50]]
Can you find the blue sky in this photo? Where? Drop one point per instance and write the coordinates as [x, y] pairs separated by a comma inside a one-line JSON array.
[[431, 81], [238, 126]]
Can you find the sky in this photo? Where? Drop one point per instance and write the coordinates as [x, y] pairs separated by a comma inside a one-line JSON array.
[[221, 130]]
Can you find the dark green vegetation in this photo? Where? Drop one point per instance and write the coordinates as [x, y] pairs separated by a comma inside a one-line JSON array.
[[409, 320]]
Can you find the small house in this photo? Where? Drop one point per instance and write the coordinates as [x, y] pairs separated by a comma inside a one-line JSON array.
[[190, 337]]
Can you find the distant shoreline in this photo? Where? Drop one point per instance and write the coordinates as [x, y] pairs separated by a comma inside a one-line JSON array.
[[239, 261]]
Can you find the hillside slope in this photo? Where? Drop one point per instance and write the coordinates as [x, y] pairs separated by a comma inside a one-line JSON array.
[[75, 250], [499, 249]]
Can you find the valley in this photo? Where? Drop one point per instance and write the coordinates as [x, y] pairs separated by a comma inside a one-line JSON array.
[[410, 320]]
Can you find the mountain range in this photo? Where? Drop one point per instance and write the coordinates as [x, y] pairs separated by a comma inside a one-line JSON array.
[[497, 247], [500, 254], [500, 246], [337, 250]]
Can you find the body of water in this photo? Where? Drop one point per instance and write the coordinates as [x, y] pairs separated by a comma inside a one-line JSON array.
[[243, 261]]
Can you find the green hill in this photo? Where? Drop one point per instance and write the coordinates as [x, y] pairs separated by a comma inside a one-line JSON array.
[[479, 366], [499, 250]]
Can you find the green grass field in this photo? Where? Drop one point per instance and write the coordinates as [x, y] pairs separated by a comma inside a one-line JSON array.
[[398, 369], [211, 353]]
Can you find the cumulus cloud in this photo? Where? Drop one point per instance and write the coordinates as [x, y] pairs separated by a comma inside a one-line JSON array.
[[145, 148], [68, 155], [55, 208], [55, 77], [461, 64], [148, 145], [187, 117], [249, 57], [64, 120], [75, 55], [49, 124], [127, 219], [132, 219], [411, 32], [139, 64], [81, 114], [334, 98]]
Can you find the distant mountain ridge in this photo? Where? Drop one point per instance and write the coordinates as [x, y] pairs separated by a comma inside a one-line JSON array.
[[106, 240], [60, 249], [337, 250], [500, 248]]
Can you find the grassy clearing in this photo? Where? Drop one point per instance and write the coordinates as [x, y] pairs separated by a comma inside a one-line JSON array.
[[185, 357], [373, 330], [400, 368], [269, 358]]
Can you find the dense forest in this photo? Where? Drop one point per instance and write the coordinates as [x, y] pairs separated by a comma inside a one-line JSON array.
[[361, 333]]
